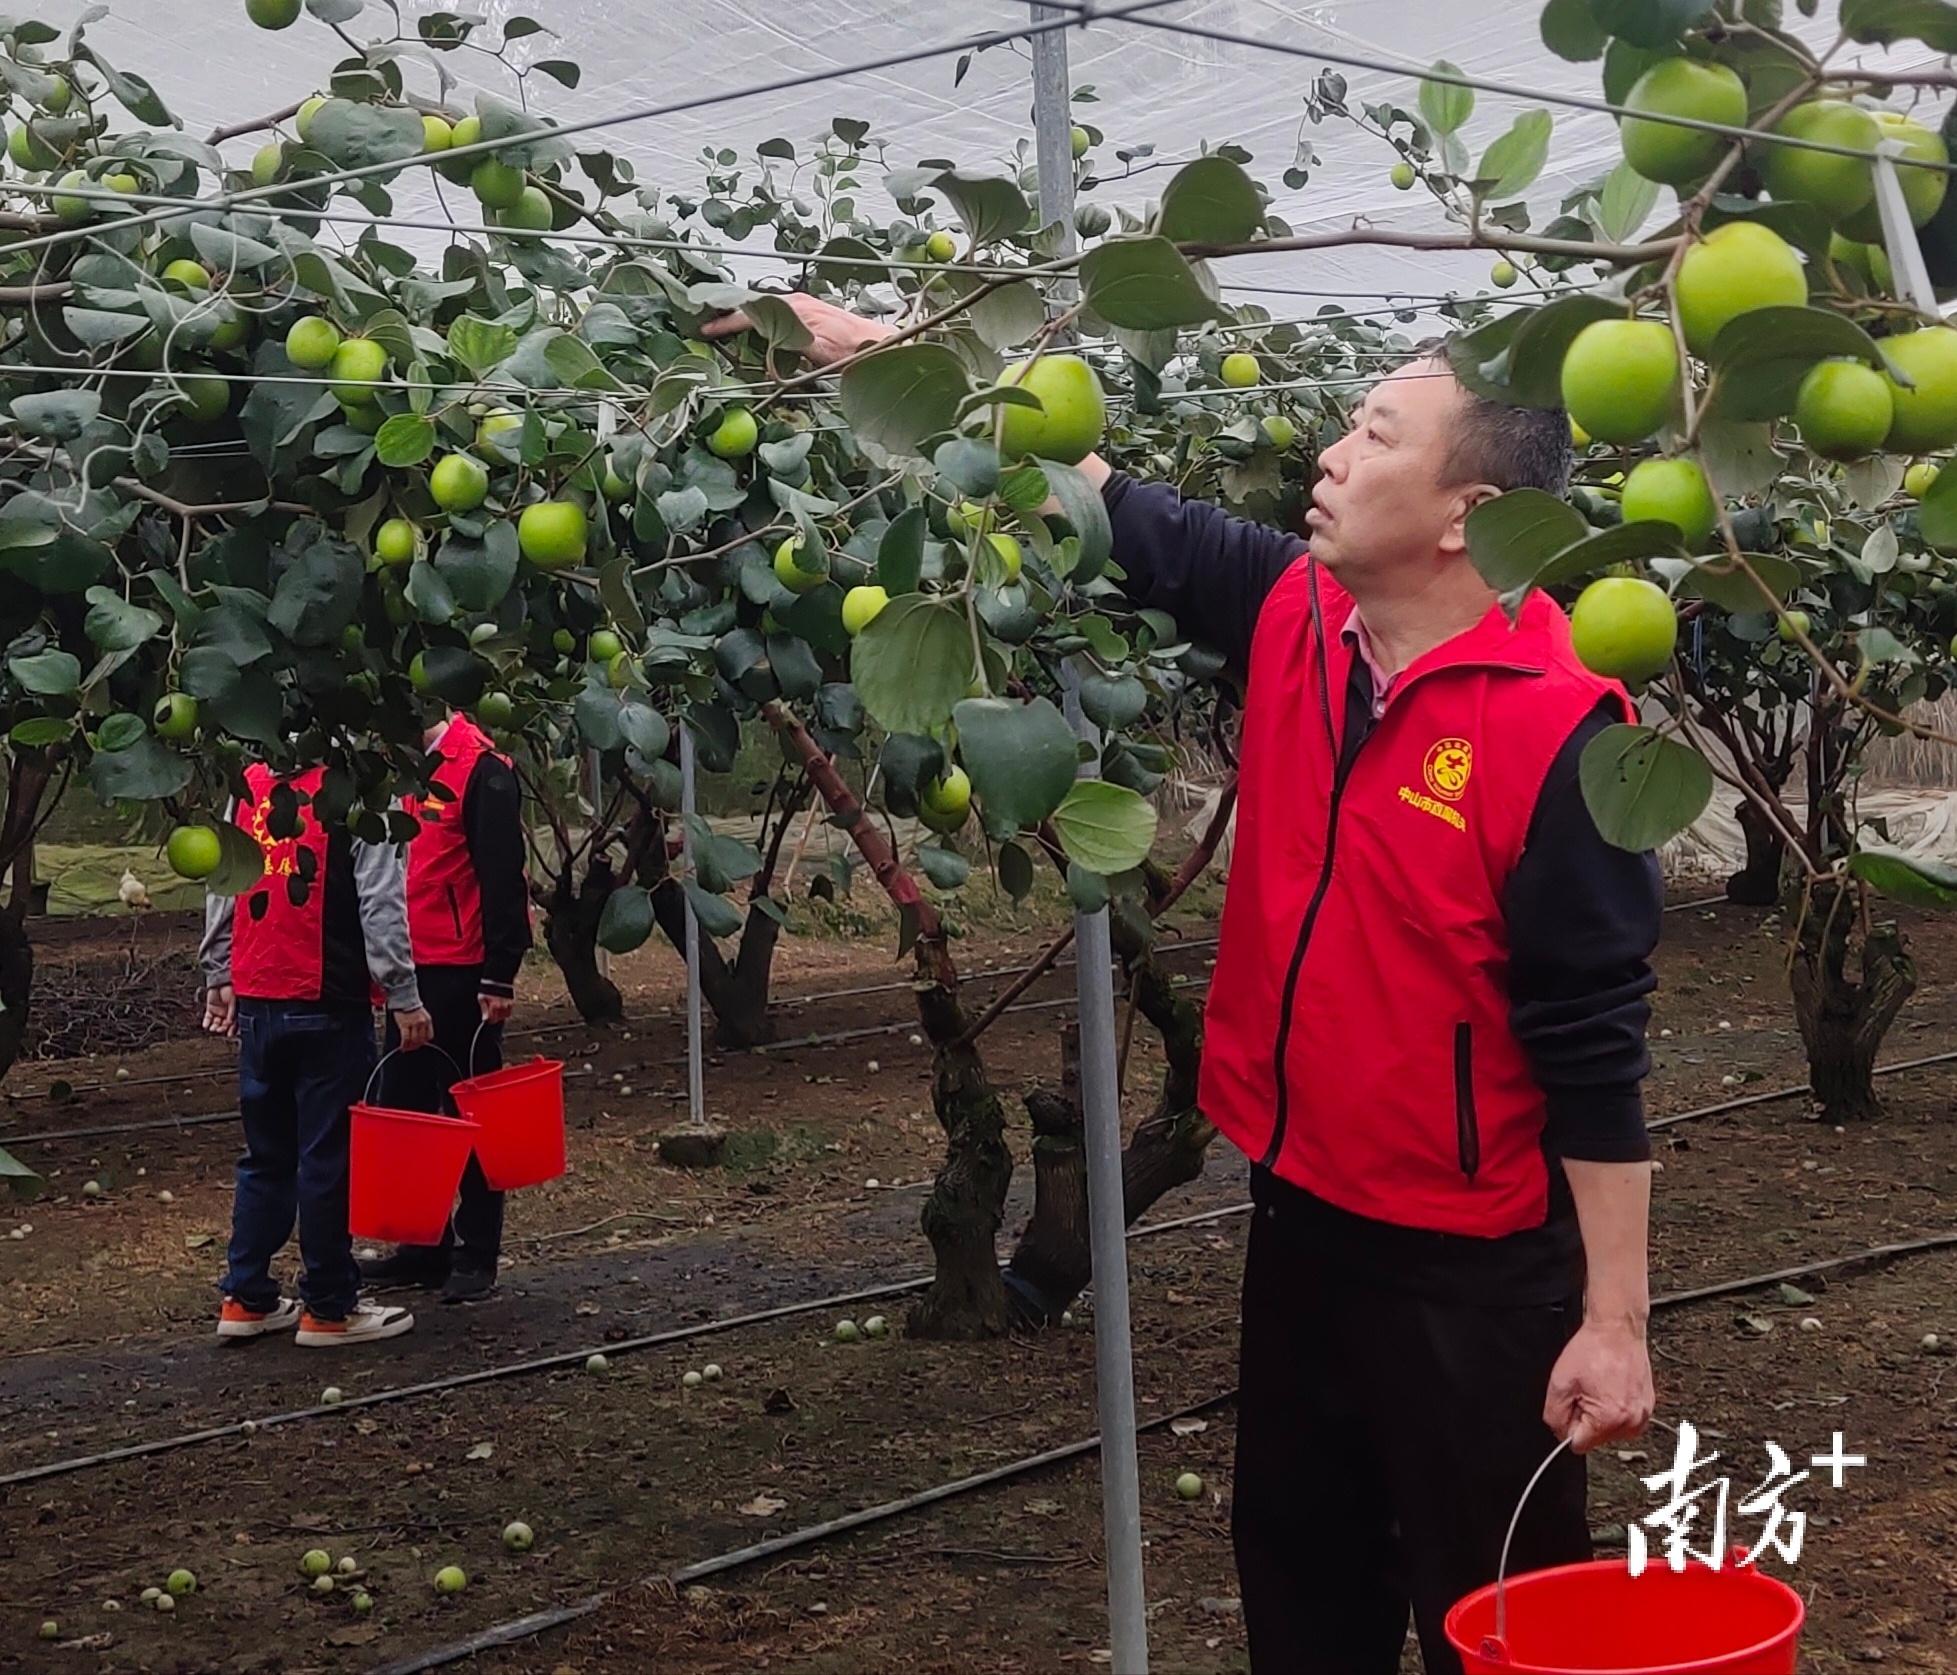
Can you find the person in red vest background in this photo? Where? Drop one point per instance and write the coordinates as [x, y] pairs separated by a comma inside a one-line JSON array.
[[469, 918], [290, 968], [1426, 1030]]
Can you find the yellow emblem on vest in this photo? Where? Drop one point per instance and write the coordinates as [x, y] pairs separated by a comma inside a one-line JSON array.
[[1447, 768]]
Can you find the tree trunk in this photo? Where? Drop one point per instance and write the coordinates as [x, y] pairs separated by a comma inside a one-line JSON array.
[[737, 993], [1757, 883], [16, 981], [1053, 1262], [571, 918], [1843, 1019], [961, 1217]]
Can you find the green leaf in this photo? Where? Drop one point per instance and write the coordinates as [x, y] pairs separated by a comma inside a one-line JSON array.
[[1538, 343], [1021, 758], [1514, 536], [1510, 165], [1088, 890], [970, 465], [796, 670], [1657, 23], [1015, 871], [946, 868], [319, 593], [48, 674], [479, 574], [38, 731], [225, 250], [572, 361], [57, 415], [353, 135], [97, 328], [1729, 588], [1082, 506], [1009, 315], [900, 554], [898, 397], [429, 594], [717, 918], [114, 624], [455, 674], [907, 762], [240, 862], [1571, 31], [1642, 789], [1739, 458], [1444, 106], [480, 344], [405, 439], [597, 714], [626, 920], [142, 773], [1112, 702], [1916, 881], [1627, 199], [20, 1180], [1210, 201], [1879, 22], [987, 207], [1106, 828], [563, 71], [913, 663], [1144, 284], [778, 324], [1760, 357], [644, 728]]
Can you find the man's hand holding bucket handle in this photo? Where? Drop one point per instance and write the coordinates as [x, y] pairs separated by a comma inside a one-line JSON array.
[[417, 1028], [496, 1009], [1600, 1389]]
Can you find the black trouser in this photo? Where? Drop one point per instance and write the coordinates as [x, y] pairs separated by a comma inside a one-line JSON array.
[[420, 1081], [1383, 1440]]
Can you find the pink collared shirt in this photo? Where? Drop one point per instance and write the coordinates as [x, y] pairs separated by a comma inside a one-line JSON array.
[[1362, 642]]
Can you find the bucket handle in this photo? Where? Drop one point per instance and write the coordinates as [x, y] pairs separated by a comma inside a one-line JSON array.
[[1499, 1648], [371, 1080], [475, 1041]]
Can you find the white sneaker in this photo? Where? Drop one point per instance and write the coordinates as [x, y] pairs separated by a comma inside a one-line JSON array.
[[367, 1323], [234, 1320]]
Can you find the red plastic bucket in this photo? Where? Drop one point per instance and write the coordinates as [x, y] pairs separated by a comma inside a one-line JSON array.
[[1599, 1619], [404, 1169], [520, 1113]]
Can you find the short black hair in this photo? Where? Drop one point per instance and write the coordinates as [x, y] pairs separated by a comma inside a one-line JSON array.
[[1506, 446]]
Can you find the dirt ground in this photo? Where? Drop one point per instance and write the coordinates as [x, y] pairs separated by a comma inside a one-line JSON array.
[[627, 1476]]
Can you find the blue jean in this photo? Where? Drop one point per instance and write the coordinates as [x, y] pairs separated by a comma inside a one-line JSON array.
[[300, 1067]]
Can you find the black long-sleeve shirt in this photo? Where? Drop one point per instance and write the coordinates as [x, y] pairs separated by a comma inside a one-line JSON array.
[[1582, 915], [492, 824]]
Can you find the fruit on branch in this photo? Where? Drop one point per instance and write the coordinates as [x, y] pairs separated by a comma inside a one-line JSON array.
[[266, 162], [1502, 275], [193, 852], [1079, 139], [1923, 189], [1731, 271], [1919, 477], [553, 533], [1671, 491], [1844, 409], [500, 435], [273, 14], [1624, 627], [1620, 378], [310, 109], [735, 436], [395, 541], [1792, 625], [1239, 370], [1073, 412], [68, 206], [1402, 176], [946, 801], [1926, 411], [496, 185], [175, 717], [603, 646], [357, 366], [940, 246], [792, 575], [436, 134], [1010, 557], [1668, 153], [459, 482], [312, 342], [860, 607], [1837, 186], [1280, 430], [530, 213]]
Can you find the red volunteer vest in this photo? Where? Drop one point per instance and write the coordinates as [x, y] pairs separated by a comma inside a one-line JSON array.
[[1357, 1036], [444, 895], [278, 949]]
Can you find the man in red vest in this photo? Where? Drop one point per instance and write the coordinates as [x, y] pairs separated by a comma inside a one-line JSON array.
[[1427, 1028], [290, 968], [469, 917]]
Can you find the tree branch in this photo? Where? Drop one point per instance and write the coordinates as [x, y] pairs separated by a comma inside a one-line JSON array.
[[217, 136]]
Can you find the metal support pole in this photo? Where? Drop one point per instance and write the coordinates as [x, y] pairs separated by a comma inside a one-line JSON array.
[[1912, 277], [594, 793], [1114, 1362], [696, 1087]]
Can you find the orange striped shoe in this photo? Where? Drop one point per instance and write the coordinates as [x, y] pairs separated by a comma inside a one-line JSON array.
[[234, 1320], [364, 1324]]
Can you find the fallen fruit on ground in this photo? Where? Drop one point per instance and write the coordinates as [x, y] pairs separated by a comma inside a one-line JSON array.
[[316, 1562], [363, 1603], [1624, 628], [875, 1327], [180, 1582], [518, 1537], [597, 1364], [846, 1331], [711, 1372], [1189, 1486], [691, 1380], [450, 1579], [331, 1396]]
